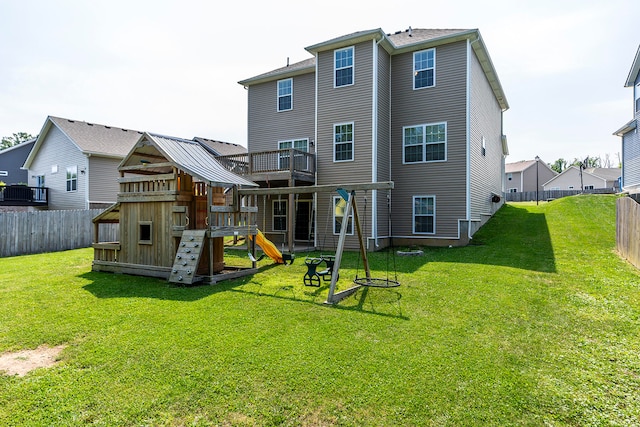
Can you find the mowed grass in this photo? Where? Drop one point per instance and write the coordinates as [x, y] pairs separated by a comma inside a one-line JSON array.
[[536, 323]]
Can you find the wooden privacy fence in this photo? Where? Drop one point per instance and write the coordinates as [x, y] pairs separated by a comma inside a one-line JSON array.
[[628, 229], [24, 233], [530, 196]]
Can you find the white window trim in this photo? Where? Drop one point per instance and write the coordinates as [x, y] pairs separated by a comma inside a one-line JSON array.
[[278, 95], [67, 179], [4, 173], [413, 70], [349, 219], [273, 214], [513, 190], [424, 144], [483, 147], [352, 66], [353, 142], [413, 214]]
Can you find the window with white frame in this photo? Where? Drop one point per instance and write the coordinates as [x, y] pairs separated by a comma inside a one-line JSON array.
[[280, 215], [513, 190], [72, 178], [424, 69], [299, 160], [4, 173], [637, 97], [588, 187], [424, 143], [424, 214], [339, 206], [285, 95], [343, 66], [483, 147], [343, 142], [509, 176]]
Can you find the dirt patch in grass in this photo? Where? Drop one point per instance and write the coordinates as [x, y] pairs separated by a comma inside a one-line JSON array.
[[22, 362]]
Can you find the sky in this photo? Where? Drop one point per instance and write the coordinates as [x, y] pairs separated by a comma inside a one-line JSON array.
[[172, 67]]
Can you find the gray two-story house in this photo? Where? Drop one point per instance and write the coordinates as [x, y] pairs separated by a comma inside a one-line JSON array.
[[630, 179], [422, 108]]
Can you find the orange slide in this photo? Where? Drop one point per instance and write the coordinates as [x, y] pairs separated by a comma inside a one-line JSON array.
[[269, 248]]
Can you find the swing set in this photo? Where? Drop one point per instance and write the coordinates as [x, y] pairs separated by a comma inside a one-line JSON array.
[[313, 277]]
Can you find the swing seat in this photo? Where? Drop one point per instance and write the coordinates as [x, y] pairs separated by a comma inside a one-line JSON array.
[[288, 258], [327, 273], [311, 277]]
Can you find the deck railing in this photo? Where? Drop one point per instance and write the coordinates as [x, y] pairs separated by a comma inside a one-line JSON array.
[[21, 195], [270, 161]]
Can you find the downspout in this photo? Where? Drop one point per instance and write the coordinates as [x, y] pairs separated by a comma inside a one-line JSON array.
[[468, 136], [374, 145], [86, 183], [315, 149]]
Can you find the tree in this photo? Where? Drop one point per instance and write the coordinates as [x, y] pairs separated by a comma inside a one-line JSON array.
[[17, 138], [559, 165], [588, 162]]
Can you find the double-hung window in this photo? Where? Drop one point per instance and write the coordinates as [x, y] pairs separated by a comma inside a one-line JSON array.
[[343, 142], [424, 143], [339, 206], [343, 66], [72, 178], [424, 214], [299, 159], [280, 215], [424, 69], [285, 95]]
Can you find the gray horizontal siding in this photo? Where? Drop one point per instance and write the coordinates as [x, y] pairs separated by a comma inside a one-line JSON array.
[[58, 150], [486, 171], [103, 179], [267, 126], [631, 159], [446, 102]]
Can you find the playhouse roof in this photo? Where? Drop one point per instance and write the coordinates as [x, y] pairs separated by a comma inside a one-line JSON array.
[[187, 155]]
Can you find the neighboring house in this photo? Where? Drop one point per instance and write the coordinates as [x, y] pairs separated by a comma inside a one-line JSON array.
[[11, 160], [78, 161], [573, 178], [422, 108], [630, 180], [525, 175]]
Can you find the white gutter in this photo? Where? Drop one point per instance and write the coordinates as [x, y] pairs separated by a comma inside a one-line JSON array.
[[315, 148]]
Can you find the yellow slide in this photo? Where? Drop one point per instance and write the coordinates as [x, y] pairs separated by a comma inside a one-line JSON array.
[[268, 247]]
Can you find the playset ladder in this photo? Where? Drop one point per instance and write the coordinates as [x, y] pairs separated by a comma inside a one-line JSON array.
[[188, 256]]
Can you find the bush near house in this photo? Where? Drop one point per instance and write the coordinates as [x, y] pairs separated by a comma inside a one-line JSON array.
[[536, 323]]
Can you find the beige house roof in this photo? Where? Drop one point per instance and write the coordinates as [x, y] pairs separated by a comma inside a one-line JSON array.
[[518, 166]]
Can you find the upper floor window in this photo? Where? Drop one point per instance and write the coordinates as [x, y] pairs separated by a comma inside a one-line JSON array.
[[424, 143], [343, 142], [72, 178], [424, 69], [637, 97], [483, 146], [343, 67], [285, 95]]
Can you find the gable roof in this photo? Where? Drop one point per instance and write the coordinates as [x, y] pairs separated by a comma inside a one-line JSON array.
[[27, 143], [605, 174], [399, 42], [635, 69], [90, 138], [187, 155], [220, 148], [518, 166]]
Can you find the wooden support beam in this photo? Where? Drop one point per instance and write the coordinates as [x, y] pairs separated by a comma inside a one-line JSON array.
[[327, 188]]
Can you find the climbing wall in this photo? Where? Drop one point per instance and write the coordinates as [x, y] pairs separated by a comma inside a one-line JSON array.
[[188, 256]]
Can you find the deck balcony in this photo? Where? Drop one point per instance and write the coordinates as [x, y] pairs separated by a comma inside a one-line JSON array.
[[270, 166], [21, 195]]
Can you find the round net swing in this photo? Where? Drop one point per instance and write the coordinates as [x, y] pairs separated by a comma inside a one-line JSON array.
[[379, 282]]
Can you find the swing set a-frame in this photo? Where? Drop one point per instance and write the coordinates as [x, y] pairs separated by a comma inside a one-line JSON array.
[[348, 192]]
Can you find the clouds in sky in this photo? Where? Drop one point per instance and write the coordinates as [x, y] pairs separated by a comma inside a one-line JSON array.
[[172, 67]]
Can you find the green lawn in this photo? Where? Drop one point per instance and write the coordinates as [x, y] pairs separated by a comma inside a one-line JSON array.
[[536, 323]]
